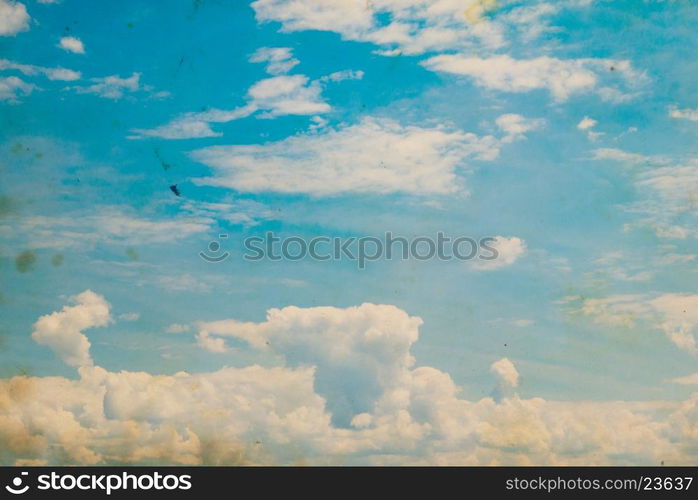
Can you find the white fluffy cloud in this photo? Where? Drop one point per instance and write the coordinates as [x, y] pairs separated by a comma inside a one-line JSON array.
[[279, 60], [72, 44], [506, 372], [349, 392], [276, 96], [413, 26], [515, 126], [288, 95], [62, 330], [586, 123], [369, 344], [13, 18], [373, 156], [509, 250], [561, 77]]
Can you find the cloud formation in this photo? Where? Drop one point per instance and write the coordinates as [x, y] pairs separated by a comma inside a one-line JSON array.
[[279, 60], [111, 87], [561, 77], [279, 95], [62, 330], [413, 27], [516, 126], [13, 18], [674, 314], [349, 392], [12, 87], [373, 156], [509, 250], [72, 44], [60, 74]]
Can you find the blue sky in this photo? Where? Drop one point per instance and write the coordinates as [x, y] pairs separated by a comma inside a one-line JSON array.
[[565, 129]]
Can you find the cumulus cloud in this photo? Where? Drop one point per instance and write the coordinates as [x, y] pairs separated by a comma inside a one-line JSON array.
[[506, 372], [72, 44], [13, 18], [349, 392], [507, 378], [62, 330], [414, 27], [288, 95], [508, 251], [515, 126], [561, 77], [279, 60], [369, 345], [373, 156]]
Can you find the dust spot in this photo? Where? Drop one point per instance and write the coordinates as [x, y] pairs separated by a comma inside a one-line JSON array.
[[175, 190], [480, 11], [7, 206], [21, 388], [38, 155], [25, 261], [163, 163], [57, 260], [130, 25], [131, 254], [17, 148]]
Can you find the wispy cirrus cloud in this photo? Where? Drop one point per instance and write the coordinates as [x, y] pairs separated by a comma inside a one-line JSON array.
[[561, 77], [61, 74]]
